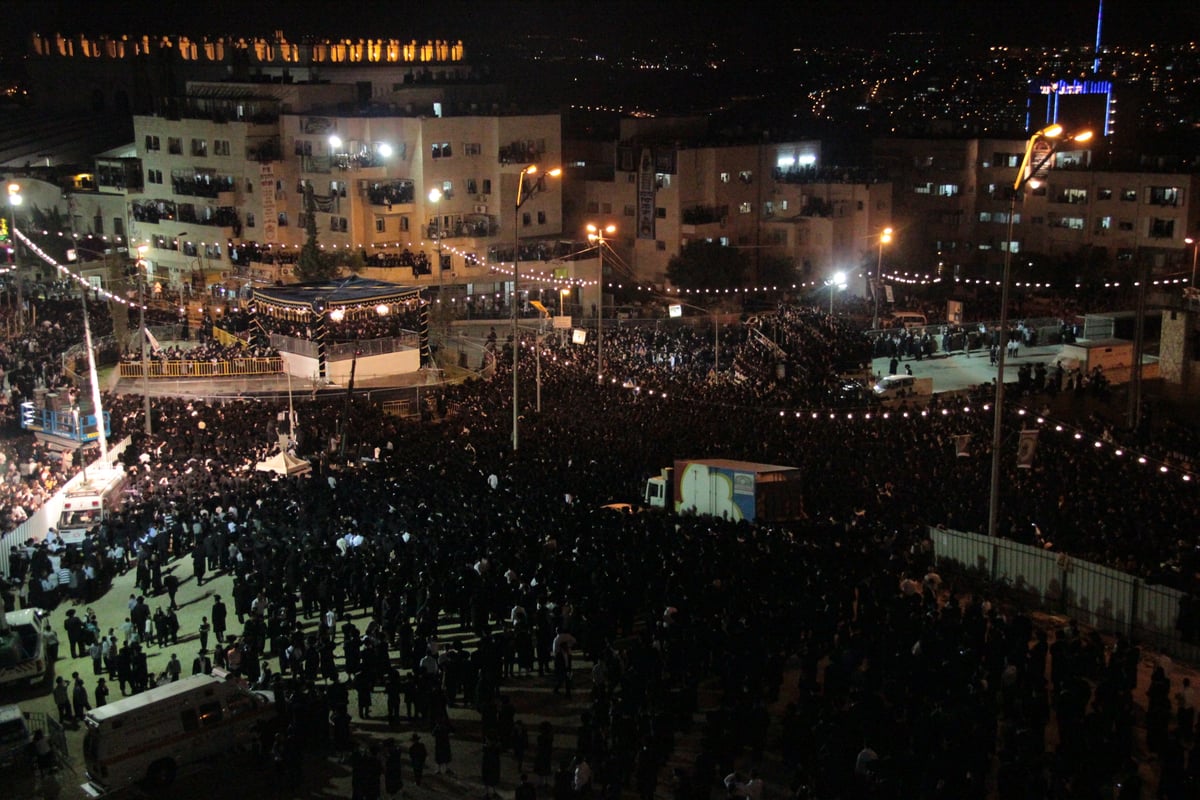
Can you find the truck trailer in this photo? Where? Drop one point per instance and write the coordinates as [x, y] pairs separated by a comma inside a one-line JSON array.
[[727, 488]]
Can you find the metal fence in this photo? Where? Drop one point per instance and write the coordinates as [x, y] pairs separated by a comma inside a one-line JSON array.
[[1091, 594], [232, 367], [338, 351]]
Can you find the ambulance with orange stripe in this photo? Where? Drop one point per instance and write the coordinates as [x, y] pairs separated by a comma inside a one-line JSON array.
[[150, 736]]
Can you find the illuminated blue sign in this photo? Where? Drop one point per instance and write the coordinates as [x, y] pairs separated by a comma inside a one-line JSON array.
[[1076, 87]]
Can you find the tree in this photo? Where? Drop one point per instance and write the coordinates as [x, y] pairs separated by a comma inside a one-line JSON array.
[[56, 239], [313, 265], [776, 271], [706, 265]]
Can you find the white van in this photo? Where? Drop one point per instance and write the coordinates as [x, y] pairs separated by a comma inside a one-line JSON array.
[[907, 319], [22, 648], [897, 386], [149, 736]]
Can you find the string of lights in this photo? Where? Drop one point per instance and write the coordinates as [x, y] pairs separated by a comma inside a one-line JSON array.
[[1043, 423], [67, 273]]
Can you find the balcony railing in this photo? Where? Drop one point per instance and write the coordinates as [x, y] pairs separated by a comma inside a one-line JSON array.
[[218, 218], [203, 185], [478, 226]]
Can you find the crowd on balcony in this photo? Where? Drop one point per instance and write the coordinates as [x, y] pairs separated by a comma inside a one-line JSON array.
[[247, 252], [202, 184], [420, 262], [387, 194]]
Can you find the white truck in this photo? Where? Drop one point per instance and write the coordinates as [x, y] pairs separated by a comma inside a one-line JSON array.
[[148, 737], [90, 502]]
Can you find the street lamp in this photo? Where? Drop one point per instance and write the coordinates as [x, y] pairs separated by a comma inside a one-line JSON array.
[[836, 281], [563, 293], [435, 197], [141, 267], [885, 237], [522, 197], [14, 200], [1032, 165], [1195, 249], [596, 234]]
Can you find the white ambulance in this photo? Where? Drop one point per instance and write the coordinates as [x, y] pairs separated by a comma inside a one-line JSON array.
[[90, 502], [22, 648], [148, 737]]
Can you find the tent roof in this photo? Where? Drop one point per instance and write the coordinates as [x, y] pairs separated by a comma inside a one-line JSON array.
[[284, 464], [353, 290]]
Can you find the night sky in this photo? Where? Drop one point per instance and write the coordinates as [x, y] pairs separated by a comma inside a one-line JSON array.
[[859, 22]]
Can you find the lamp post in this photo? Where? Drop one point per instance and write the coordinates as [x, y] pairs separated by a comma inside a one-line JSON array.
[[1195, 250], [885, 237], [14, 200], [676, 310], [596, 234], [522, 198], [435, 197], [1028, 173], [141, 267], [563, 293], [835, 282]]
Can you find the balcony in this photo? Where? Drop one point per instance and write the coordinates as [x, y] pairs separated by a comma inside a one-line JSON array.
[[473, 226], [520, 153], [265, 151], [704, 215], [152, 212], [202, 185], [220, 217], [391, 193], [123, 175]]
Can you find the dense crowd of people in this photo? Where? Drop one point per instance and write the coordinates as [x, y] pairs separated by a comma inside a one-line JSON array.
[[905, 687], [353, 326], [32, 363], [210, 350]]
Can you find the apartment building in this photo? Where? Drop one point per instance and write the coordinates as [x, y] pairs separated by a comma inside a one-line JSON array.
[[218, 189], [771, 199], [952, 200]]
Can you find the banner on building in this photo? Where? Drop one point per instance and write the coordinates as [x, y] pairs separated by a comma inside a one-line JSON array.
[[646, 186], [266, 190], [1026, 449]]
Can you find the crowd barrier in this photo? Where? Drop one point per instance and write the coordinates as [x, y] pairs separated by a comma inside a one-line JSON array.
[[231, 367], [1091, 594]]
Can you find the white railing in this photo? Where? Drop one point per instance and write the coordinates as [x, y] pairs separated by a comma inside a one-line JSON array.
[[1091, 594]]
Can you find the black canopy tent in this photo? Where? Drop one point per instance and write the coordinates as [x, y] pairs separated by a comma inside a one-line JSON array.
[[313, 302]]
